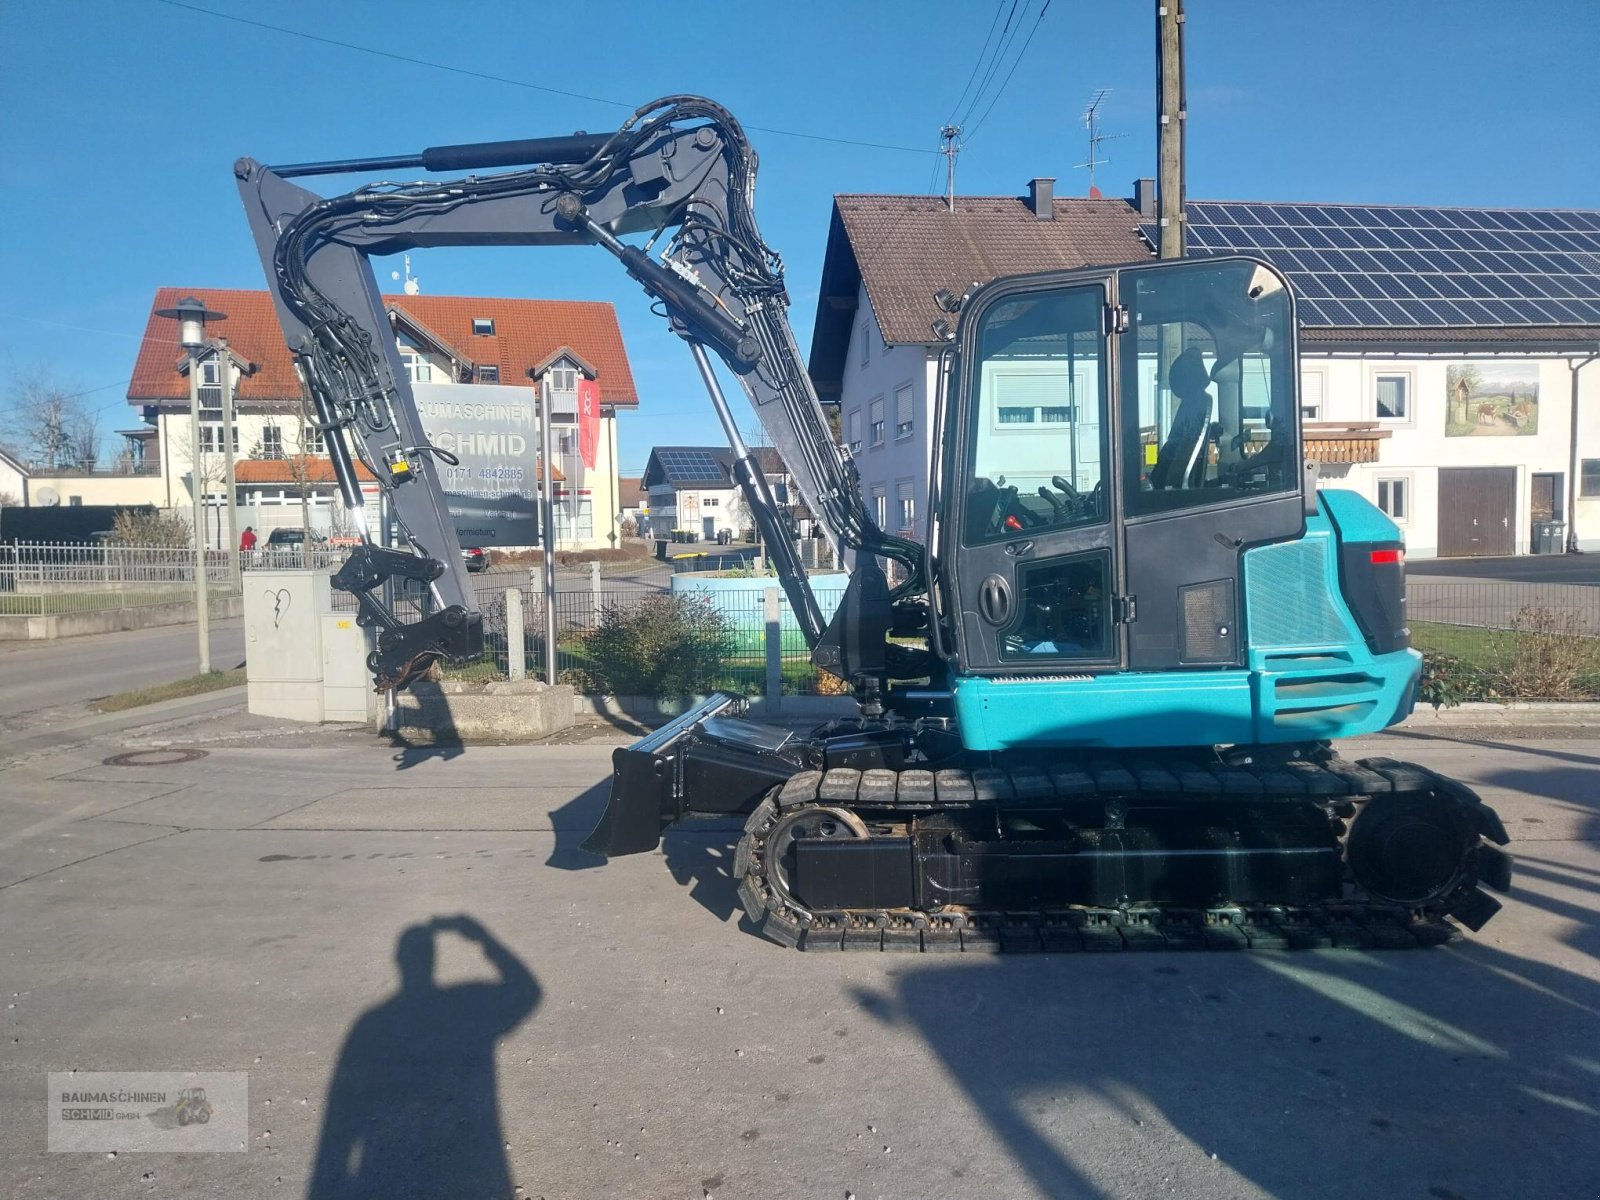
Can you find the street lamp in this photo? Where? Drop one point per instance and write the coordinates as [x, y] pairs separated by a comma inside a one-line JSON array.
[[192, 316]]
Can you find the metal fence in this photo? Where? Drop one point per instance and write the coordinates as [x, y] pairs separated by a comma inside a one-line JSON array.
[[1485, 639], [51, 578]]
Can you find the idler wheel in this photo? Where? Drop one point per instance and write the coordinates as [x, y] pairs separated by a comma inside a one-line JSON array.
[[1411, 848]]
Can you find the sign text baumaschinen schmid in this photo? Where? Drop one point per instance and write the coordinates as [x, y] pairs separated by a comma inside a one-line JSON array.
[[493, 492]]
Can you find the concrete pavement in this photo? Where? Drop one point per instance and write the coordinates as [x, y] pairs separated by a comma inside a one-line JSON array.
[[615, 1030]]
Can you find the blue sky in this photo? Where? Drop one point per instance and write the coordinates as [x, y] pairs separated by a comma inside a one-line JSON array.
[[103, 198]]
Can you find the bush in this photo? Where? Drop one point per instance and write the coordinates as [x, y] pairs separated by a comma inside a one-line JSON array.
[[158, 528], [1448, 681], [663, 645], [1552, 652]]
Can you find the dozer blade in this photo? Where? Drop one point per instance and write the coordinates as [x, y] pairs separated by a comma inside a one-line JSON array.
[[644, 784]]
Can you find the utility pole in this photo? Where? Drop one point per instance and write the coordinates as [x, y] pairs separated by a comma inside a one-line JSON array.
[[225, 378], [202, 586], [547, 528], [950, 136], [1171, 117]]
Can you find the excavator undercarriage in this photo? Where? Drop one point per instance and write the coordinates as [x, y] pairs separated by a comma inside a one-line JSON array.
[[1283, 847]]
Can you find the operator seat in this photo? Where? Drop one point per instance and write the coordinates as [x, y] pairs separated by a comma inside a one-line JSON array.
[[1189, 381]]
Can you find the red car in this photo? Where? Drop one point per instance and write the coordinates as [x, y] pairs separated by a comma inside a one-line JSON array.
[[476, 559]]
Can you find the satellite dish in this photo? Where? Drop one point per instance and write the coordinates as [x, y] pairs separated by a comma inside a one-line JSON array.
[[48, 497]]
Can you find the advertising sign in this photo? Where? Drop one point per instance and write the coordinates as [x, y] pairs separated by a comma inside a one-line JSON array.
[[493, 491]]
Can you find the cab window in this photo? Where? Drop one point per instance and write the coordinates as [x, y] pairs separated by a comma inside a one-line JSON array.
[[1037, 431], [1208, 406]]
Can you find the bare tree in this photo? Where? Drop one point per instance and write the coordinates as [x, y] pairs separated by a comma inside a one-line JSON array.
[[84, 442], [51, 419]]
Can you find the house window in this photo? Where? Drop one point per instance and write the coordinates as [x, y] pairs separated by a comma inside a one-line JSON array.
[[1312, 386], [880, 509], [902, 411], [1394, 397], [1394, 498], [211, 439], [564, 439], [488, 374], [709, 502], [875, 422], [907, 507], [482, 326], [418, 368], [563, 379], [852, 430], [866, 343], [271, 442], [1589, 477], [311, 440], [208, 373]]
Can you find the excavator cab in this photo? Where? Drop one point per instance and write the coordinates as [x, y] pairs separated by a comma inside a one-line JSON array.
[[1120, 437]]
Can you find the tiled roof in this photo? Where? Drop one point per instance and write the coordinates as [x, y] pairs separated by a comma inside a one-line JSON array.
[[311, 468], [631, 488], [526, 333], [290, 470], [906, 248]]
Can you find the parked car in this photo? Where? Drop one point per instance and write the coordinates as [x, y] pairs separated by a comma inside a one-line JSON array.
[[476, 559], [292, 537]]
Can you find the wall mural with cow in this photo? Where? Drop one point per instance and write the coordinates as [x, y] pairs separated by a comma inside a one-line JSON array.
[[1491, 399]]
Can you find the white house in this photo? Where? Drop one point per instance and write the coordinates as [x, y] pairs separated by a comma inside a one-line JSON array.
[[690, 490], [464, 342], [1447, 354]]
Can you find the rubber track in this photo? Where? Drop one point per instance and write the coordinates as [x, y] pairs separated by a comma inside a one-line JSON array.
[[1348, 925]]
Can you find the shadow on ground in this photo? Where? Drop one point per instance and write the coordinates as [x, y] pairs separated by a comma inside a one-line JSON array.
[[413, 1109]]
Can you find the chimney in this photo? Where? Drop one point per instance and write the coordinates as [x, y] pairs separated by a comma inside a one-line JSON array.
[[1041, 198], [1144, 197]]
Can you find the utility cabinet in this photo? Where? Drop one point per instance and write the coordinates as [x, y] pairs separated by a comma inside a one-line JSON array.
[[303, 660]]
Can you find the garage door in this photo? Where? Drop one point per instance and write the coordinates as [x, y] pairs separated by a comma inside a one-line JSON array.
[[1477, 507]]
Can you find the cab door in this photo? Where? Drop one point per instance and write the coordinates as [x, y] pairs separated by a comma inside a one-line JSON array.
[[1210, 450], [1035, 563]]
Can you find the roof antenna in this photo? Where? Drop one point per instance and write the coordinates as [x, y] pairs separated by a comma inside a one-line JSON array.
[[1091, 122], [412, 287], [950, 136]]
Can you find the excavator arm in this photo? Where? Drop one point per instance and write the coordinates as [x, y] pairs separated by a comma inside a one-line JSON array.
[[679, 171]]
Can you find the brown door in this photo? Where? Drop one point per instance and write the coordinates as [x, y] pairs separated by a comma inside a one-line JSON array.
[[1476, 508]]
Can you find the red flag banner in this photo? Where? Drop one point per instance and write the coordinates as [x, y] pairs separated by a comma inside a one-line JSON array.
[[588, 420]]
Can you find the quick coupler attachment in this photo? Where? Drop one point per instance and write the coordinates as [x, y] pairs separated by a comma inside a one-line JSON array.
[[405, 651]]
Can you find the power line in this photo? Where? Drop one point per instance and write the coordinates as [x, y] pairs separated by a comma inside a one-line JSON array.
[[521, 83], [1001, 48], [978, 62], [1023, 53]]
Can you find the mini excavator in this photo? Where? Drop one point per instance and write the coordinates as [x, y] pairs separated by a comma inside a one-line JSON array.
[[1097, 702]]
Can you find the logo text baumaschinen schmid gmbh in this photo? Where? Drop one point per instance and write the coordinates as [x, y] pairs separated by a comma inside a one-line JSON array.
[[167, 1111]]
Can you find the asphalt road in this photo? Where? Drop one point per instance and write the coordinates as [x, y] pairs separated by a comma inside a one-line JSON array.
[[63, 672], [1526, 568], [615, 1030]]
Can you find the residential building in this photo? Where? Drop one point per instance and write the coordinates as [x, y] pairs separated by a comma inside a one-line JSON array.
[[475, 345], [1443, 351], [635, 501], [690, 489], [874, 351]]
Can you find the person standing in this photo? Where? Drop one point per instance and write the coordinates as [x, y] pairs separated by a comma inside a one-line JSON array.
[[247, 539]]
